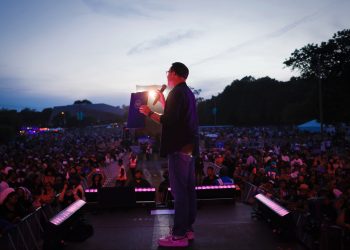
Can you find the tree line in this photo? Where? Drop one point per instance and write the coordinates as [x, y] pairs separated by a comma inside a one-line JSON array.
[[324, 79]]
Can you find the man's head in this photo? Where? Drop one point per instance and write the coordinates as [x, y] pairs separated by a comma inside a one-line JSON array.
[[177, 73], [138, 174], [210, 171]]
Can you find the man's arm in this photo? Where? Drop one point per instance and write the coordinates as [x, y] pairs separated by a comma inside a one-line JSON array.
[[144, 109]]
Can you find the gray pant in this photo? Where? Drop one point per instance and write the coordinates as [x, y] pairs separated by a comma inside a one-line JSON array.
[[182, 183]]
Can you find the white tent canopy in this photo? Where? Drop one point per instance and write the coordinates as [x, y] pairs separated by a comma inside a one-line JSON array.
[[311, 126]]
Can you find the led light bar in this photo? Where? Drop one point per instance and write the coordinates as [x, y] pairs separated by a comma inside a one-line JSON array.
[[91, 190], [67, 212], [213, 187], [272, 205], [138, 190]]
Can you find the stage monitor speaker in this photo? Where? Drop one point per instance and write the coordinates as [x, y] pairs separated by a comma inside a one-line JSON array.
[[117, 197]]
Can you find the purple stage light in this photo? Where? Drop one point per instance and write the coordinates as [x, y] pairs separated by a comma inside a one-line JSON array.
[[67, 212], [272, 205]]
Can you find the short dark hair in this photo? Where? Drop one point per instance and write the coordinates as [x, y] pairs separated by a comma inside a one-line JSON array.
[[180, 69]]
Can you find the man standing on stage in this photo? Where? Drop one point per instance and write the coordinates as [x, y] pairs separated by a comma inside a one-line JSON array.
[[179, 142]]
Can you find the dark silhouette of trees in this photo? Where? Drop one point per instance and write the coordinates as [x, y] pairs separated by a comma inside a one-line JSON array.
[[325, 60], [85, 101], [328, 62], [197, 93], [265, 101]]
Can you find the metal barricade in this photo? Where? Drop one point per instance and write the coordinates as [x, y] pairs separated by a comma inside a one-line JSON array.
[[248, 192], [335, 238], [28, 234]]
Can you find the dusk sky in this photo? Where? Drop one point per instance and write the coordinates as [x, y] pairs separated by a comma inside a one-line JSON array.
[[55, 52]]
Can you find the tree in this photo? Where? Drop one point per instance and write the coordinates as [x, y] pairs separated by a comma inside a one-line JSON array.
[[85, 101], [197, 93], [45, 116], [330, 63], [328, 59]]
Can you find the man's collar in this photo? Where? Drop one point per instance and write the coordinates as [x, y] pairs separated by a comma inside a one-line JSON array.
[[180, 84]]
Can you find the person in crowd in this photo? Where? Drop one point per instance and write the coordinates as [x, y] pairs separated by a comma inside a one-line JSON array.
[[283, 192], [211, 178], [9, 207], [271, 170], [133, 163], [25, 200], [199, 169], [122, 176], [49, 176], [149, 151], [3, 183], [96, 178], [59, 183], [48, 194], [12, 179], [97, 181], [267, 187], [224, 179], [139, 181], [163, 188], [72, 191]]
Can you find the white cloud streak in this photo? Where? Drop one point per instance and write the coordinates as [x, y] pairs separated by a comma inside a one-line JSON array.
[[162, 41]]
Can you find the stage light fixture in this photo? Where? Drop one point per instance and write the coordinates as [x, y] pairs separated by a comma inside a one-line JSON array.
[[272, 205], [67, 212]]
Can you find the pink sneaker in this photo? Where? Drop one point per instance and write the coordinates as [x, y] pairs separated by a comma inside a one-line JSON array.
[[173, 241], [190, 235]]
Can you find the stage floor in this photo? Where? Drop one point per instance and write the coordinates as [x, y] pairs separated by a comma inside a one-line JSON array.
[[218, 226]]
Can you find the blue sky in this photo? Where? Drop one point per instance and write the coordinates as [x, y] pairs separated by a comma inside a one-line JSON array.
[[55, 52]]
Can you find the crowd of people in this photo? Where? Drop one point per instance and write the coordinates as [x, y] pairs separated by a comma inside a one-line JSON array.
[[302, 171], [295, 168], [52, 167]]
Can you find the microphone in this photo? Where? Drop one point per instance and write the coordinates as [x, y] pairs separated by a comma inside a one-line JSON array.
[[158, 96]]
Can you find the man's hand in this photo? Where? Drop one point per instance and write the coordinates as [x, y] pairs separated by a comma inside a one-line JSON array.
[[144, 109]]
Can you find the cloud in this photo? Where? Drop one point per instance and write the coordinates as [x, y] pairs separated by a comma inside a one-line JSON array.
[[162, 41], [17, 93], [277, 33], [123, 8], [292, 25], [206, 85], [12, 85]]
